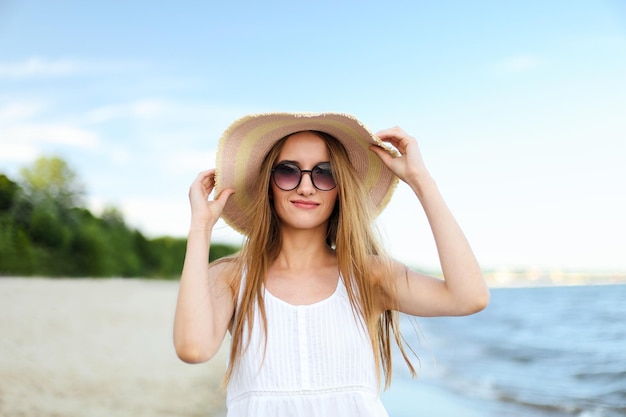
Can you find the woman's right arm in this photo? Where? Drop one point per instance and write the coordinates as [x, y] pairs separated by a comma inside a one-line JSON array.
[[205, 299]]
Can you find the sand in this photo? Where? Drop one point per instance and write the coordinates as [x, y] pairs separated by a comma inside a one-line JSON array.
[[82, 347]]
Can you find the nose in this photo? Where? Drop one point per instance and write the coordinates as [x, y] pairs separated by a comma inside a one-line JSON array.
[[306, 186]]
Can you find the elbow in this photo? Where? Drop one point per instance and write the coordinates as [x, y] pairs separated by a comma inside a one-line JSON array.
[[482, 302], [193, 354], [477, 303]]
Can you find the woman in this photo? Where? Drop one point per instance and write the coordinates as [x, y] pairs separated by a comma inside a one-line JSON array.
[[311, 301]]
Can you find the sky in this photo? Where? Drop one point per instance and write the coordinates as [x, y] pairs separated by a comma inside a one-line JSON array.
[[519, 107]]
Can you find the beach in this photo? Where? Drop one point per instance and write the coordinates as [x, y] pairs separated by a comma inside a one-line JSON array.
[[103, 347], [83, 347]]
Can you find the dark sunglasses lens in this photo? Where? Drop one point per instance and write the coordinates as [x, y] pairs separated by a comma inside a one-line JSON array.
[[323, 178], [286, 176]]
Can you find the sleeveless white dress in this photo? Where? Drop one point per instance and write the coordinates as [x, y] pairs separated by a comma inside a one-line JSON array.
[[319, 362]]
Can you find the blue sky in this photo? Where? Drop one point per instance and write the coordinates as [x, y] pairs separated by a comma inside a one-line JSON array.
[[519, 107]]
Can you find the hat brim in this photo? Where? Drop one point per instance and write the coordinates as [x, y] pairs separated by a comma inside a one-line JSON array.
[[245, 143]]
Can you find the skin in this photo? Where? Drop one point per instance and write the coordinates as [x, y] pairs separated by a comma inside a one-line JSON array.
[[306, 269]]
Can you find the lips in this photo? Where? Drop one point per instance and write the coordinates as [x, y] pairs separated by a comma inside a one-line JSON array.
[[305, 204]]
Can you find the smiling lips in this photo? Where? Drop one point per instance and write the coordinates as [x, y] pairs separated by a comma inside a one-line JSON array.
[[305, 204]]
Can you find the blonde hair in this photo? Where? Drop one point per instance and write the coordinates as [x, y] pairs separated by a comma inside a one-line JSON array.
[[350, 233]]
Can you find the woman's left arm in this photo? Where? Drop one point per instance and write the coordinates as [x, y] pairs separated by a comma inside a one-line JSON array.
[[463, 290]]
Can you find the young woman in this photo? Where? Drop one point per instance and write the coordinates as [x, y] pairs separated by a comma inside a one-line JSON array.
[[311, 301]]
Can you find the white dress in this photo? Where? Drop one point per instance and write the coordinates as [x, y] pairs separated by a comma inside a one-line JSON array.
[[319, 362]]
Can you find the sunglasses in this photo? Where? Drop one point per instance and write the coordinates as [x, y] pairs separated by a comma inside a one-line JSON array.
[[287, 176]]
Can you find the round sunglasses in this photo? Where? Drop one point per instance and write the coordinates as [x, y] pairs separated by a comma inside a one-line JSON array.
[[287, 176]]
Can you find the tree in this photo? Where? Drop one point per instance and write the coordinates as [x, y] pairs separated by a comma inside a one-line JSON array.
[[51, 179], [8, 192], [44, 230]]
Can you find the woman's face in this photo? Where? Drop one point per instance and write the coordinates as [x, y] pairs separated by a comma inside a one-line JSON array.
[[304, 207]]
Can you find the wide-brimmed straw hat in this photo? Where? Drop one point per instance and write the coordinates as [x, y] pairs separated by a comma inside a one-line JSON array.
[[244, 145]]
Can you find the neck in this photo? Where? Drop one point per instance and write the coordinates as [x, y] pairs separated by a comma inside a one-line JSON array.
[[304, 249]]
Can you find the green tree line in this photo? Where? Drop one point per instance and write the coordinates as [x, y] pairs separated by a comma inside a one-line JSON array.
[[45, 230]]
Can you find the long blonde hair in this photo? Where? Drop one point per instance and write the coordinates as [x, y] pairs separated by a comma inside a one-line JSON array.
[[350, 233]]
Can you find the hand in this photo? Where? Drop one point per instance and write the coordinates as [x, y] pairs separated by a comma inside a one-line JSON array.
[[409, 166], [205, 213]]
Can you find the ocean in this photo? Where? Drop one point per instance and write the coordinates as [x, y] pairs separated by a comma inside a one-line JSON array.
[[545, 351]]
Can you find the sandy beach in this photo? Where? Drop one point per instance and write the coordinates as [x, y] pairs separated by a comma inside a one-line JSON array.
[[82, 347]]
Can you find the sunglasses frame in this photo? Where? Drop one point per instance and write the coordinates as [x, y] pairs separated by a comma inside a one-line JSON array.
[[321, 165]]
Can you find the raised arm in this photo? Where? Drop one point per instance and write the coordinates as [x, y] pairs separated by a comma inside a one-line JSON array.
[[463, 290], [205, 299]]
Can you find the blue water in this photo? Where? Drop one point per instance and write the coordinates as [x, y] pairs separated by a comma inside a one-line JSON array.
[[549, 351]]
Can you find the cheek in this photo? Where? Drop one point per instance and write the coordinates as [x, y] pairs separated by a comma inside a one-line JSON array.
[[335, 195], [276, 201], [333, 200]]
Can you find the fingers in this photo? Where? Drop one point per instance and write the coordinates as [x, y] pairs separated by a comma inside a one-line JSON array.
[[393, 133], [204, 211], [205, 183], [202, 185], [225, 195], [409, 164], [206, 178], [396, 137]]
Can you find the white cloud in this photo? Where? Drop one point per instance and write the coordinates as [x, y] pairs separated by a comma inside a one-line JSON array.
[[24, 136], [518, 63], [34, 67], [19, 111], [156, 217], [166, 111], [17, 152], [43, 67], [140, 109], [58, 134]]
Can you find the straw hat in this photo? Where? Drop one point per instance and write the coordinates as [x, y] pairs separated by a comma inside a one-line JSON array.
[[245, 143]]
